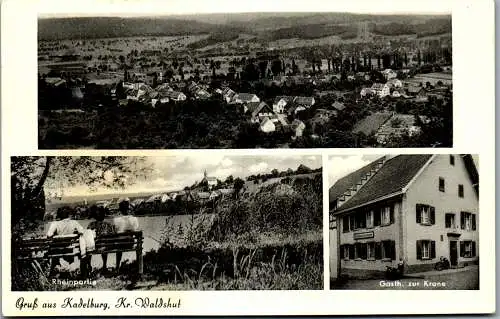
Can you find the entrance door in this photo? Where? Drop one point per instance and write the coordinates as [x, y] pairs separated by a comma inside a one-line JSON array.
[[453, 253]]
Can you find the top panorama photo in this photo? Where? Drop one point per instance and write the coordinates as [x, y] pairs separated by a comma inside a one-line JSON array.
[[245, 80]]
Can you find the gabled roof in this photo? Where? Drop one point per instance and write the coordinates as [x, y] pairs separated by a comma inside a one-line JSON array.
[[256, 107], [246, 96], [172, 94], [348, 181], [391, 178], [371, 123], [377, 86], [414, 89], [304, 100], [265, 121], [287, 99]]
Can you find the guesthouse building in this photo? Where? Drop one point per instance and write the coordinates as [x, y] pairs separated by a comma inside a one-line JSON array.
[[413, 208]]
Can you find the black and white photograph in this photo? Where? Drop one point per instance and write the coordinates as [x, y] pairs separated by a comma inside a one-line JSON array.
[[404, 222], [166, 223], [245, 80]]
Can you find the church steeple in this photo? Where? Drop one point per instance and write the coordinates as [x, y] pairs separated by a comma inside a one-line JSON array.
[[205, 174]]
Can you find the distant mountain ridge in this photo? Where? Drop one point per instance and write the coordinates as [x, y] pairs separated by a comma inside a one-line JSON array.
[[175, 25]]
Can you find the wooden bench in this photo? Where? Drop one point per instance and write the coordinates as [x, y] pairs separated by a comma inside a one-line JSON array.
[[69, 246]]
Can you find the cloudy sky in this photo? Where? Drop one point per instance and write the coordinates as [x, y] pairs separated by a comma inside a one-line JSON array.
[[340, 166], [131, 8], [175, 172]]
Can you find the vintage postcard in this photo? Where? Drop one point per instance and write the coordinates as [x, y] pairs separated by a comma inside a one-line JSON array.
[[247, 158]]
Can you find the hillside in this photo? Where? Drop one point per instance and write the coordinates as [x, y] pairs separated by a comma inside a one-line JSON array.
[[110, 27], [429, 27], [301, 24]]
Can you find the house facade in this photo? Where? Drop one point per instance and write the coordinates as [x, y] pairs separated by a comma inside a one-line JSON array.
[[281, 102], [415, 208], [380, 89], [267, 126]]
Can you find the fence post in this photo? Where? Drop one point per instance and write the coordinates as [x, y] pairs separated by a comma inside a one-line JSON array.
[[140, 263]]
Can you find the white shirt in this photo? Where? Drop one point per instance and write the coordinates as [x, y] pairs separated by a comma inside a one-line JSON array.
[[126, 223], [64, 227]]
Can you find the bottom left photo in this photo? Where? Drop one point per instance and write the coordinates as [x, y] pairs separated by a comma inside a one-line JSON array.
[[180, 222]]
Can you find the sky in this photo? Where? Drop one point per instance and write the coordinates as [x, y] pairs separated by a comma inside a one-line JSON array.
[[172, 173], [135, 8], [340, 166]]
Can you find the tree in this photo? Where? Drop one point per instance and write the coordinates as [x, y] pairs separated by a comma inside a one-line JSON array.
[[229, 180], [276, 67], [238, 186], [275, 172], [31, 175]]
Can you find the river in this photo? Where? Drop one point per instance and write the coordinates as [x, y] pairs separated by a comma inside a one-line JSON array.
[[155, 229]]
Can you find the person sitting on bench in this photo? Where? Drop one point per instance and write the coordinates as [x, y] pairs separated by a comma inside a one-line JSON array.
[[63, 226], [124, 223], [101, 227]]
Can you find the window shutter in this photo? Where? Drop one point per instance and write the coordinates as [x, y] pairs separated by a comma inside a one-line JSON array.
[[473, 221], [393, 250], [462, 249], [432, 215], [447, 221], [462, 220], [376, 217], [473, 249], [419, 249], [392, 214], [417, 213], [433, 249], [378, 250]]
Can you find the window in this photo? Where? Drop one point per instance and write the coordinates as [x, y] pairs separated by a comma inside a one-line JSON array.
[[467, 249], [467, 221], [452, 160], [345, 224], [387, 215], [351, 251], [460, 190], [449, 220], [425, 214], [352, 224], [441, 184], [360, 219], [345, 251], [370, 247], [360, 250], [369, 219], [426, 249], [388, 249]]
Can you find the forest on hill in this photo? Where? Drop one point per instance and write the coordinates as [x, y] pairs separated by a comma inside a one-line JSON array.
[[282, 25]]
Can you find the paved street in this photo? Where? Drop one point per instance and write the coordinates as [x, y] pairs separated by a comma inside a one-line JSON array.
[[456, 279]]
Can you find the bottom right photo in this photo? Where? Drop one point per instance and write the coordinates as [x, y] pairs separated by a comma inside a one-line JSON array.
[[404, 221]]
